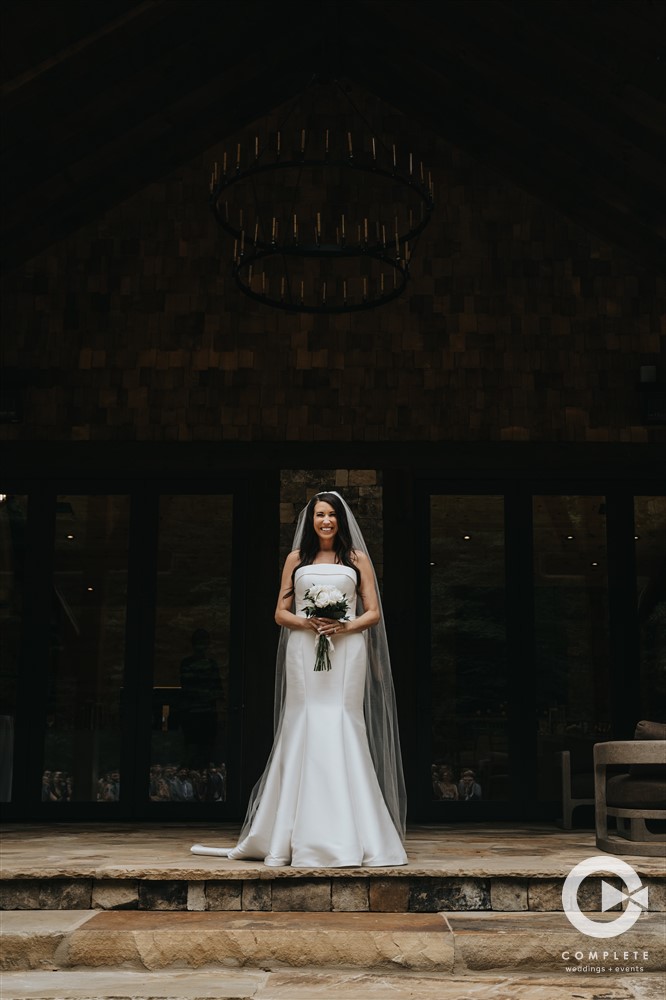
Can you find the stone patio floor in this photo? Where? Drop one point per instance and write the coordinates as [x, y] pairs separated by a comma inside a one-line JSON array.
[[106, 851]]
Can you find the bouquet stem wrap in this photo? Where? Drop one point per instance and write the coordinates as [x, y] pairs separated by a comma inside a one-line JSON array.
[[324, 649]]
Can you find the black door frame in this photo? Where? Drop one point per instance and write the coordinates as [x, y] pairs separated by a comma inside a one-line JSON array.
[[624, 654], [409, 469], [254, 544]]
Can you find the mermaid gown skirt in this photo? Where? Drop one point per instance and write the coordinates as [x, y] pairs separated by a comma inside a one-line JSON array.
[[321, 805]]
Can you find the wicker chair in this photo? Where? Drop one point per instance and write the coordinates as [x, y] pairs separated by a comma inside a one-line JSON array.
[[634, 797]]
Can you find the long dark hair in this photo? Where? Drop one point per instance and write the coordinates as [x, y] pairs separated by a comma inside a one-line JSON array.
[[342, 543]]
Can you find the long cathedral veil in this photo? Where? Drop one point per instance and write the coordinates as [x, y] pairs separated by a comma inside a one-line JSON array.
[[380, 710]]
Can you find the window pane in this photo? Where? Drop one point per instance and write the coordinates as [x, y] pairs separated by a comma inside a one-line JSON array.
[[468, 658], [650, 531], [192, 650], [571, 634], [82, 745], [12, 556]]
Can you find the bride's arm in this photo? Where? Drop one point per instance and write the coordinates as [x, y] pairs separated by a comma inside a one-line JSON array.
[[283, 613], [368, 594]]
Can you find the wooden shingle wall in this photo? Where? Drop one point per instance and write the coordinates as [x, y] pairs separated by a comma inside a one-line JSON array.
[[517, 325]]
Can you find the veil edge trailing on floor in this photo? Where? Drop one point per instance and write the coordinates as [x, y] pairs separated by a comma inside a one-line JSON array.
[[381, 716]]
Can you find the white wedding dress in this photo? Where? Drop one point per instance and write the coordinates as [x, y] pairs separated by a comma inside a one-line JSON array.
[[321, 805]]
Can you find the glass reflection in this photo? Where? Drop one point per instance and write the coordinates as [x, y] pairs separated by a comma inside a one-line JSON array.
[[650, 532], [468, 659], [571, 636], [82, 740], [13, 511], [191, 678]]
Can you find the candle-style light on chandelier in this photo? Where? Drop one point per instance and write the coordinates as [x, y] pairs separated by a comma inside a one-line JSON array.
[[324, 214]]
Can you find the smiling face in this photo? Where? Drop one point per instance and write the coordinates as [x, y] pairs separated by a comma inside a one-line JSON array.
[[325, 522]]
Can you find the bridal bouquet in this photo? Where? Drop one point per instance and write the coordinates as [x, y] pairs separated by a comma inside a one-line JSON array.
[[322, 601]]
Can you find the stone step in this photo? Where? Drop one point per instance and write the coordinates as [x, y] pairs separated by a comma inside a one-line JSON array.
[[214, 983], [445, 942], [474, 867], [159, 940]]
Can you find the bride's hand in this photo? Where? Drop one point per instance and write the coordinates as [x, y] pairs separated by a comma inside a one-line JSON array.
[[330, 626]]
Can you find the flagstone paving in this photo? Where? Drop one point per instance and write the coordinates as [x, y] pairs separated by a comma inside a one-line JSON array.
[[321, 984], [111, 851]]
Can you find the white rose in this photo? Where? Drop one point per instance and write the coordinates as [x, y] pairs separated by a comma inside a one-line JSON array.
[[322, 598]]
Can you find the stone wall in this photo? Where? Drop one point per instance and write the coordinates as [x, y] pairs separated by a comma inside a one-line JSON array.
[[396, 892], [517, 325]]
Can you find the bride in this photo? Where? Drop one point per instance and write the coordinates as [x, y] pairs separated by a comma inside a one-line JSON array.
[[332, 794]]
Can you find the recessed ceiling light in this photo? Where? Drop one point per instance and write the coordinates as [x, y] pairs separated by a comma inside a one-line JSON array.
[[466, 538], [570, 538]]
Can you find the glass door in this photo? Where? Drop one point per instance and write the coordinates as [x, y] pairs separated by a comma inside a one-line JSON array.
[[541, 611], [84, 676], [191, 744], [572, 653], [469, 689], [121, 682], [650, 540], [13, 515]]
